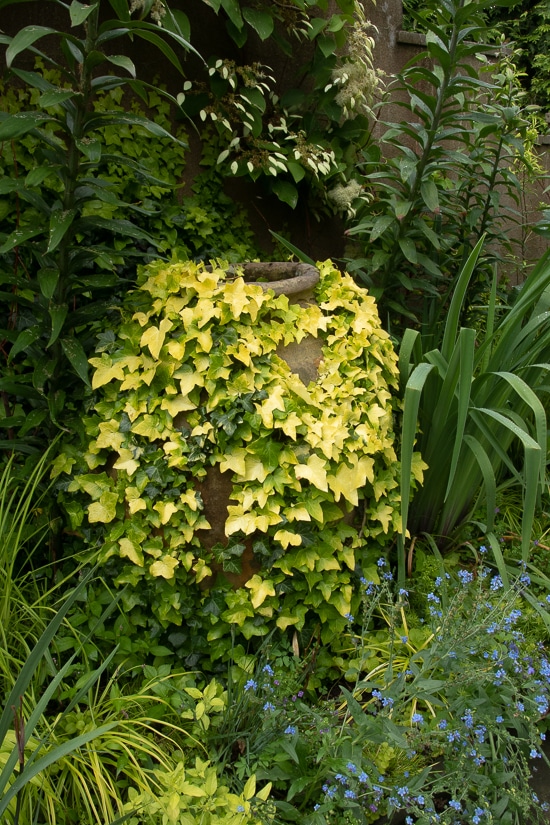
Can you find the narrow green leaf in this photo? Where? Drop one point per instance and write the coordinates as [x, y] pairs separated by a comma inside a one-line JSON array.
[[24, 340], [294, 249], [55, 97], [459, 292], [408, 249], [380, 225], [233, 11], [77, 357], [411, 402], [58, 313], [47, 281], [80, 12], [19, 124], [25, 38], [176, 21], [488, 474], [124, 63], [60, 221], [430, 195], [91, 149], [18, 237], [466, 343], [33, 660], [60, 752]]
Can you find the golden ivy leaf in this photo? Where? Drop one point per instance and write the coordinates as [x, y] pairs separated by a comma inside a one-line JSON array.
[[201, 570], [126, 462], [176, 349], [298, 513], [151, 427], [249, 522], [62, 464], [131, 550], [135, 502], [236, 298], [341, 599], [164, 567], [153, 337], [314, 471], [105, 370], [348, 480], [289, 424], [181, 403], [166, 510], [286, 538], [260, 590], [103, 510], [234, 460], [315, 509], [384, 514], [296, 617], [417, 467]]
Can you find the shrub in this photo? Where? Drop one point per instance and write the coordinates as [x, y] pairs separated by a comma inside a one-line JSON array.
[[195, 379]]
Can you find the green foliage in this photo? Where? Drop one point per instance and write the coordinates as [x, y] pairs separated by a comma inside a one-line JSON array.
[[58, 260], [526, 23], [474, 409], [444, 175], [194, 384], [193, 795], [291, 141]]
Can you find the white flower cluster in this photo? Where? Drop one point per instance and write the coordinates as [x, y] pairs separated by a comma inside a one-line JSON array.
[[356, 77], [157, 10], [344, 194]]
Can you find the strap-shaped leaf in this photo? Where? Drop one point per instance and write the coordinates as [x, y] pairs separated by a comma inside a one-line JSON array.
[[15, 126], [466, 346], [489, 480], [411, 402], [25, 38], [459, 294]]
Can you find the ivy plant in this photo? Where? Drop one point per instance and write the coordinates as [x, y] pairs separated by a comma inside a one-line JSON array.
[[194, 381], [55, 265]]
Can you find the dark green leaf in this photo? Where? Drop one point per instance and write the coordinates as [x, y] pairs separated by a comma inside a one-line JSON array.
[[80, 12], [286, 192], [58, 313], [59, 224], [47, 281], [55, 97], [233, 11], [19, 124], [24, 340], [430, 195], [25, 38], [262, 21], [124, 63]]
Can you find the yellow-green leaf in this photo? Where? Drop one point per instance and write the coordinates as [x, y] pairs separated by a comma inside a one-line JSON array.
[[286, 538], [166, 510], [314, 471], [153, 337], [103, 510], [164, 567], [105, 370], [250, 787], [260, 589], [348, 480], [131, 550]]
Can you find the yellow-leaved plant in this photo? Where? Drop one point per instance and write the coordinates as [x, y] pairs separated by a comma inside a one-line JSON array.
[[195, 382]]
